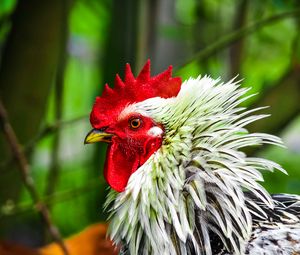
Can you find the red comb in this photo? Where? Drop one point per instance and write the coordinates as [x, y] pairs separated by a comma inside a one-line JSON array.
[[132, 90]]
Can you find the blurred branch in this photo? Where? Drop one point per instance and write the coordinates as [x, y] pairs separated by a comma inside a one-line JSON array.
[[283, 100], [52, 128], [14, 209], [199, 33], [142, 32], [236, 49], [44, 132], [227, 40], [121, 39], [27, 180], [283, 97], [146, 25], [295, 46]]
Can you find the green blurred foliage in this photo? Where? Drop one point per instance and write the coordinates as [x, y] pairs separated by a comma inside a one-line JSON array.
[[187, 27], [288, 158], [6, 7]]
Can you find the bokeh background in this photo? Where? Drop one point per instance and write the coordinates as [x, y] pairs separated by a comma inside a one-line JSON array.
[[56, 55]]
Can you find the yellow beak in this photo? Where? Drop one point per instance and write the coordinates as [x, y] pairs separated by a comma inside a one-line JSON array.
[[96, 135]]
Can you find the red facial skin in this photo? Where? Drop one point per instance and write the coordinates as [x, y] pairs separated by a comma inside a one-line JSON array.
[[130, 148]]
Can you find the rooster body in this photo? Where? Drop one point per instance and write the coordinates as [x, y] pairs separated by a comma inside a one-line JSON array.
[[180, 182]]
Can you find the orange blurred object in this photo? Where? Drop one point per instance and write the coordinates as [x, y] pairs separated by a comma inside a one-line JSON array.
[[91, 241]]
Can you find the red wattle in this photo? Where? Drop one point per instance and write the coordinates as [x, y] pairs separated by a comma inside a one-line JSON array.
[[121, 163], [118, 167]]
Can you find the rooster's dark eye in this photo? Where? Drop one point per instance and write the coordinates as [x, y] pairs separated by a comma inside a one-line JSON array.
[[135, 123]]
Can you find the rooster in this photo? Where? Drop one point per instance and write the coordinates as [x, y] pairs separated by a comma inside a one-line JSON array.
[[180, 183]]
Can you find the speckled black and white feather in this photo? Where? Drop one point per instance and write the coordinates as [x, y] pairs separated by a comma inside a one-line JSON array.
[[199, 194], [279, 231]]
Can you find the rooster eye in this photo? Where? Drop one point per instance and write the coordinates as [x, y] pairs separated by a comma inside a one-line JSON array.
[[135, 123]]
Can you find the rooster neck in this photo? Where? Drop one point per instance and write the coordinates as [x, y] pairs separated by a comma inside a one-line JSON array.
[[193, 185], [167, 207]]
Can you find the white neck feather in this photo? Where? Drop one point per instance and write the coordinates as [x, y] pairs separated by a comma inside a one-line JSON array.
[[193, 185]]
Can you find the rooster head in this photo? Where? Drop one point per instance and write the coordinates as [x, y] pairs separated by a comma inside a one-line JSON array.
[[132, 138]]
